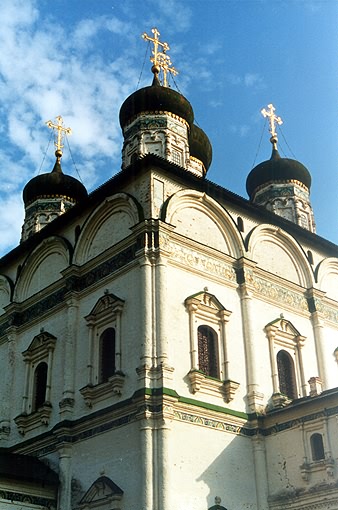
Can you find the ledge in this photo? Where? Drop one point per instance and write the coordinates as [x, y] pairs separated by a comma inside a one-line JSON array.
[[113, 387], [27, 422], [199, 381]]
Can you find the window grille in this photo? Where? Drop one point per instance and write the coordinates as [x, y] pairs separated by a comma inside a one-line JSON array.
[[317, 447], [286, 374], [40, 385], [107, 354], [207, 351]]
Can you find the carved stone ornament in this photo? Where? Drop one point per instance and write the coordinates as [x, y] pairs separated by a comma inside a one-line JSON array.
[[229, 389], [279, 400], [103, 494]]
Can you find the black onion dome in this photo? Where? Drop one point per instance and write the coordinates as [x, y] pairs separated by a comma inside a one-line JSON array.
[[156, 99], [277, 169], [54, 184], [200, 146]]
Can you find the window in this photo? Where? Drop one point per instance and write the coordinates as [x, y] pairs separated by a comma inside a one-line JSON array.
[[176, 156], [317, 447], [107, 354], [40, 386], [209, 370], [36, 400], [286, 374], [317, 455], [207, 351], [105, 377]]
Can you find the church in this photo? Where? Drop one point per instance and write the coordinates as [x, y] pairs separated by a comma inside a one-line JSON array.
[[165, 343]]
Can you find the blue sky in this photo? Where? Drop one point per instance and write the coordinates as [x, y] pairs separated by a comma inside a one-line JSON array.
[[82, 58]]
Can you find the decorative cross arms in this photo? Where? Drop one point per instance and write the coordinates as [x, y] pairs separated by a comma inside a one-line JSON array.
[[59, 131], [273, 121], [160, 60]]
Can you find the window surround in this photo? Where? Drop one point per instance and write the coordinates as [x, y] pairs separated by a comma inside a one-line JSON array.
[[205, 310], [40, 350], [325, 464], [105, 314], [283, 336]]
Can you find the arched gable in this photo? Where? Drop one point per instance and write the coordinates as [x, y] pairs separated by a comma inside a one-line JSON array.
[[5, 292], [327, 277], [277, 252], [200, 217], [42, 267], [108, 224]]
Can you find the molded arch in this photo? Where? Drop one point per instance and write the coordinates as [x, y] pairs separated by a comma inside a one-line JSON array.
[[279, 253], [108, 224], [213, 224], [6, 289], [42, 267], [327, 277]]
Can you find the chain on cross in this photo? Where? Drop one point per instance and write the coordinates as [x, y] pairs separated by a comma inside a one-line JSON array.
[[60, 132], [160, 59], [273, 120]]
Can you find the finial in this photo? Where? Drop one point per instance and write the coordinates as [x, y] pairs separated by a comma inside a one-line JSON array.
[[273, 120], [61, 130], [160, 59]]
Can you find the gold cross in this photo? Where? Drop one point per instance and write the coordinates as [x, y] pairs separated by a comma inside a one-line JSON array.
[[273, 120], [61, 131], [157, 43], [160, 59]]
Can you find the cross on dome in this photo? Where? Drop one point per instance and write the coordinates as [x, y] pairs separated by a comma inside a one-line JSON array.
[[61, 131], [160, 59], [273, 120]]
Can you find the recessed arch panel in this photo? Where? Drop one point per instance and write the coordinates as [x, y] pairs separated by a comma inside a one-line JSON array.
[[42, 267], [201, 218], [109, 223], [5, 293], [327, 277], [277, 252]]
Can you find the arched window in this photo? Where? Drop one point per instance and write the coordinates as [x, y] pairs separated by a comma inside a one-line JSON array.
[[208, 351], [317, 447], [40, 385], [286, 374], [107, 355]]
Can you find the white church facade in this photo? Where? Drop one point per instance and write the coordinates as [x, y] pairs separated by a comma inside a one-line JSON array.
[[164, 343]]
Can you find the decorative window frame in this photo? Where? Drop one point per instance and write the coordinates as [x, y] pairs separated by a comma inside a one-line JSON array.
[[40, 350], [105, 314], [205, 310], [282, 335], [310, 466]]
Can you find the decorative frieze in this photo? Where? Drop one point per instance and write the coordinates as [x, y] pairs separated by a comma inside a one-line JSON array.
[[328, 312], [193, 259], [26, 499], [274, 292], [212, 423]]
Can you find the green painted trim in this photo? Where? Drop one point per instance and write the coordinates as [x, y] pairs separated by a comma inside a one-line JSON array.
[[213, 407]]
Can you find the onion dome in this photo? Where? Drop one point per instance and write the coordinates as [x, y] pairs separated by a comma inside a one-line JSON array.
[[200, 146], [155, 99], [53, 185], [277, 170]]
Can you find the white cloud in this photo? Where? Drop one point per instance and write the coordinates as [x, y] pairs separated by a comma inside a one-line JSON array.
[[44, 72], [12, 215], [253, 80]]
